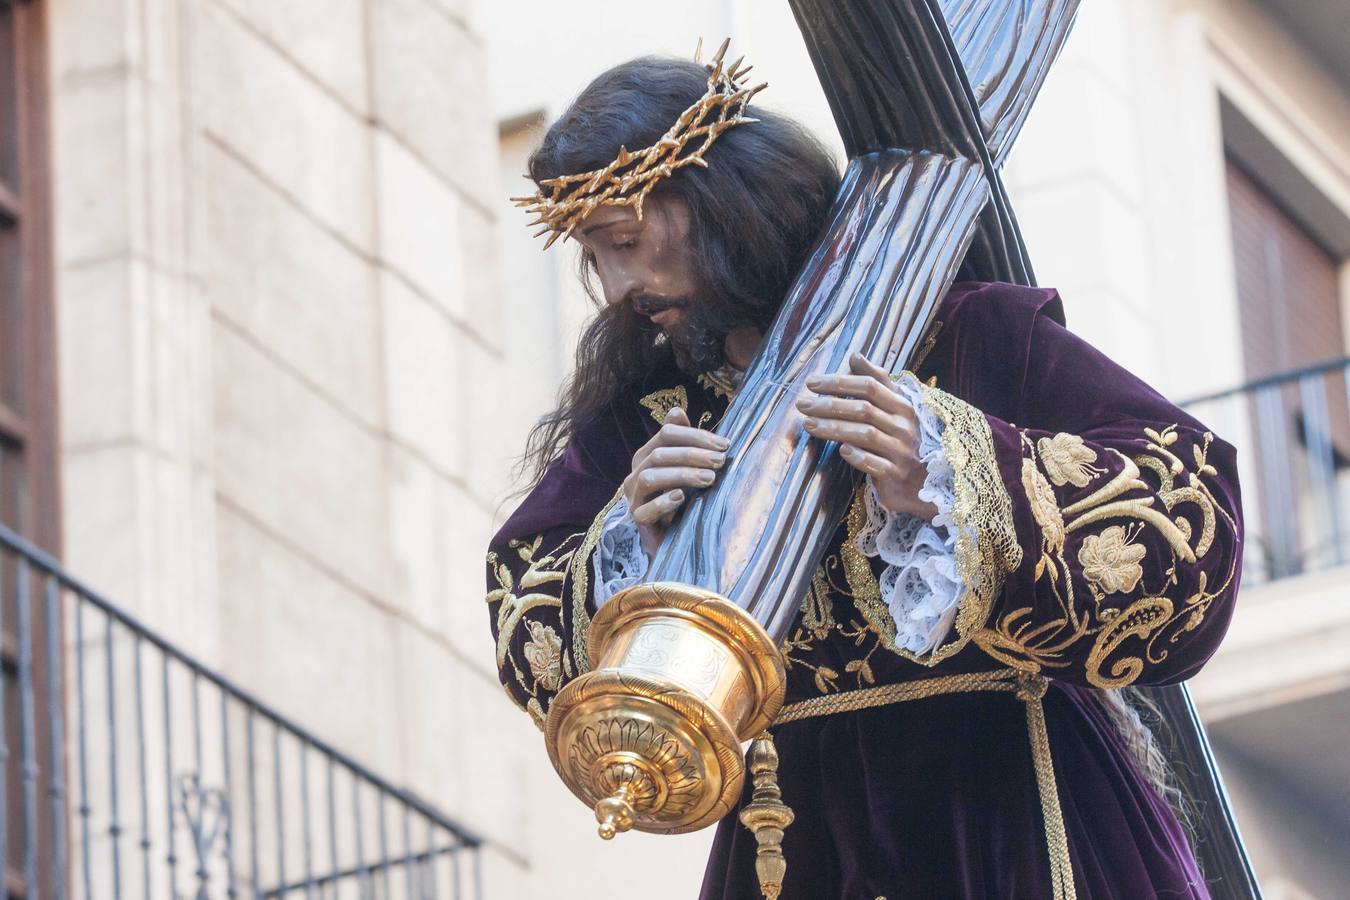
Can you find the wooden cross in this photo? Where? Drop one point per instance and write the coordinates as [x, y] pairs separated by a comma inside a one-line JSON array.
[[928, 96]]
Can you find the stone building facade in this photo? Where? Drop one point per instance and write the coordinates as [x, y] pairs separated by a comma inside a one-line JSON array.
[[278, 307], [300, 335]]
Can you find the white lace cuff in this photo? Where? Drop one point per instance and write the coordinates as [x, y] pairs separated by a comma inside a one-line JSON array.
[[920, 584], [619, 559]]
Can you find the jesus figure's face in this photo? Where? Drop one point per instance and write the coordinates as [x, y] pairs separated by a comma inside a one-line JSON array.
[[647, 264]]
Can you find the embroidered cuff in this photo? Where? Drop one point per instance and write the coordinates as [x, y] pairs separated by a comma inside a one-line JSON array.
[[619, 559], [920, 585]]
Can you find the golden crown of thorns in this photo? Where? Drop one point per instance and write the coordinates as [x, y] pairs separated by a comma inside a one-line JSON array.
[[561, 203]]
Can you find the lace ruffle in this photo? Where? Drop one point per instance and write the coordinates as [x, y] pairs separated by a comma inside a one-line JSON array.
[[619, 559], [920, 584]]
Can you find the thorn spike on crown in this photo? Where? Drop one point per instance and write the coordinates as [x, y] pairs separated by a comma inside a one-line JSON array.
[[561, 203], [721, 52]]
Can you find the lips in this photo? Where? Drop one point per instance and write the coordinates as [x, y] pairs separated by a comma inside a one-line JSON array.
[[661, 310], [666, 317]]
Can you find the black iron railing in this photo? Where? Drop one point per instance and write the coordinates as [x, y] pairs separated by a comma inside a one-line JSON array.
[[1292, 432], [133, 770]]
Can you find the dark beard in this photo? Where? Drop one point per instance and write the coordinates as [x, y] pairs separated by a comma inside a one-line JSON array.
[[699, 344]]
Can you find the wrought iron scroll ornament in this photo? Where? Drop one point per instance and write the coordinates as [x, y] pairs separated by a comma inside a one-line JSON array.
[[206, 811]]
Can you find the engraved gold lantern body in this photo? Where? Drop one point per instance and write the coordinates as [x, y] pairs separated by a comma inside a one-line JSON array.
[[651, 737]]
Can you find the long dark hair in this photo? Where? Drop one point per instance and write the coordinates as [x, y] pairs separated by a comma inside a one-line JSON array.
[[755, 211]]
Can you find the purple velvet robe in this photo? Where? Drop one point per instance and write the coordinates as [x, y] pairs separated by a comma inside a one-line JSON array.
[[1117, 516]]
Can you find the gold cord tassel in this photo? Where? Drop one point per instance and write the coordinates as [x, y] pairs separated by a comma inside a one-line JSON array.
[[767, 815]]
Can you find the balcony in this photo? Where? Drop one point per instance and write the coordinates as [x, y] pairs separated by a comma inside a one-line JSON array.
[[1276, 693], [1292, 431], [131, 768]]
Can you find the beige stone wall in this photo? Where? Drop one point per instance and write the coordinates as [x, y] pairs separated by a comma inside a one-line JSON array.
[[284, 366]]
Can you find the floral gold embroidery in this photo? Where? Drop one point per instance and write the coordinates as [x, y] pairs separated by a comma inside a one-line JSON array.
[[818, 623], [517, 598], [1110, 561], [720, 382], [514, 607], [544, 654], [1067, 460], [817, 616], [1044, 507]]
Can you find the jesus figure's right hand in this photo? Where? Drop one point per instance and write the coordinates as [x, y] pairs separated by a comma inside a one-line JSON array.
[[678, 458]]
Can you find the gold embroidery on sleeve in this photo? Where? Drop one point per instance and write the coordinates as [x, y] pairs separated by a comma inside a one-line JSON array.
[[544, 654], [1067, 460], [542, 568], [986, 542], [581, 563], [1111, 561]]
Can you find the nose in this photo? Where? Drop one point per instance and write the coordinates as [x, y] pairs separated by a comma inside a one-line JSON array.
[[617, 283]]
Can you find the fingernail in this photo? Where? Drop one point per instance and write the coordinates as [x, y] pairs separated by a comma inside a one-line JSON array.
[[810, 424], [705, 477], [723, 442], [814, 381], [677, 496], [719, 459], [803, 403], [846, 451]]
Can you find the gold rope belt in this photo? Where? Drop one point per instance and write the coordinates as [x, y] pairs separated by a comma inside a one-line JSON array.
[[1028, 688]]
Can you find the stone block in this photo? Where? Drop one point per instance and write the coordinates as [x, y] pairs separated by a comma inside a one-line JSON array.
[[468, 526], [482, 275], [275, 273], [497, 750], [257, 103], [1101, 39], [103, 533], [141, 536], [326, 655], [1082, 236], [1081, 126], [101, 333], [427, 74], [94, 195], [422, 376], [438, 536], [496, 422], [298, 464], [326, 38], [90, 35], [420, 229], [464, 744], [504, 874]]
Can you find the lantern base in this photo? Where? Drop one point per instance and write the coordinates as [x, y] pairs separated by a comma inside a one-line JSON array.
[[651, 737]]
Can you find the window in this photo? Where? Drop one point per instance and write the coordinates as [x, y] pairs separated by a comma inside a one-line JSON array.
[[1293, 347]]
